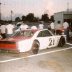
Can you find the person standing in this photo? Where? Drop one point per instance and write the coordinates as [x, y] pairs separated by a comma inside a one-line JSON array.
[[33, 27], [41, 26], [23, 26], [52, 27], [59, 28], [3, 30], [66, 30], [49, 27], [9, 30]]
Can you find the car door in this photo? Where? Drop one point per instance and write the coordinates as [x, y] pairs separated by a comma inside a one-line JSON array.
[[43, 38]]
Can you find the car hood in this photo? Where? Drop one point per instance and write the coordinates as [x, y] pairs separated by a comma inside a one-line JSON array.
[[15, 39]]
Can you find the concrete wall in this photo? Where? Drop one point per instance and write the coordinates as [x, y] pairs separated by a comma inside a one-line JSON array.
[[58, 17]]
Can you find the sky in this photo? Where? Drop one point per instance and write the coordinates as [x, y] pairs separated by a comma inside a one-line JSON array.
[[38, 7]]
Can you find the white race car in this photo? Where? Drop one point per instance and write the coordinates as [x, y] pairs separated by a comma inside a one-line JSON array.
[[32, 40]]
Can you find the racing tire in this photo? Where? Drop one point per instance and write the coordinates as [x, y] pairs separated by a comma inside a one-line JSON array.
[[61, 42], [35, 47]]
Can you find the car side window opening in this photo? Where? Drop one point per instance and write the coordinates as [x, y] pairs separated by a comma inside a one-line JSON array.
[[27, 33], [16, 34], [44, 33], [23, 33]]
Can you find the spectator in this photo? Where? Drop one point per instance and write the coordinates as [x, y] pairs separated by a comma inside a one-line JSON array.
[[9, 30], [59, 28], [33, 27], [0, 29], [24, 26], [3, 30], [66, 30], [41, 26], [52, 27], [17, 26], [49, 27]]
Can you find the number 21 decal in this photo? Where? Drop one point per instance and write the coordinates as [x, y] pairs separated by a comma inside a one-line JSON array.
[[51, 41]]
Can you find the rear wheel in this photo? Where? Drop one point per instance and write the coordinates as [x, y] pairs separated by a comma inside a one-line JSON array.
[[61, 42], [35, 47]]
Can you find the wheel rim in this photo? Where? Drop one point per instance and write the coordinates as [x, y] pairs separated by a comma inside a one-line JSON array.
[[35, 48], [62, 42]]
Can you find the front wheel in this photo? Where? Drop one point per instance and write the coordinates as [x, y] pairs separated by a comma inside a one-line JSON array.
[[35, 47], [61, 42]]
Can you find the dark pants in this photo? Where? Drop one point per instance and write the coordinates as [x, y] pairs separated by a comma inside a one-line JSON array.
[[53, 31], [3, 35], [66, 32]]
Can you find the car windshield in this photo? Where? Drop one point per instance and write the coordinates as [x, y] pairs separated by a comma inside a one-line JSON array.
[[26, 33]]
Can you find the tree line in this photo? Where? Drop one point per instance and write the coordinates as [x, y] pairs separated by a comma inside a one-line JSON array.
[[31, 18]]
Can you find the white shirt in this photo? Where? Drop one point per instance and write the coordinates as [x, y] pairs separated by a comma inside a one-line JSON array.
[[9, 28], [26, 26], [52, 25], [23, 27], [65, 25], [33, 27], [3, 28], [41, 26]]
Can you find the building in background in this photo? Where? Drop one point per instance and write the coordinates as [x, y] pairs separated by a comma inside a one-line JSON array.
[[63, 16]]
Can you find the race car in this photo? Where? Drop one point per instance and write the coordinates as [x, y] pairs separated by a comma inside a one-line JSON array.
[[32, 40]]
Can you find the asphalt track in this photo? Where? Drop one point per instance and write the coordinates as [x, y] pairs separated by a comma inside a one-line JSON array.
[[7, 57]]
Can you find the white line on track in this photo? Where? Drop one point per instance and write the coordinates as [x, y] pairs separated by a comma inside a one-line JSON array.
[[69, 43], [35, 55]]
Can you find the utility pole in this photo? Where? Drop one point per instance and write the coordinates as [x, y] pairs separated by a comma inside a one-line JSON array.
[[0, 11], [68, 6], [11, 14]]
